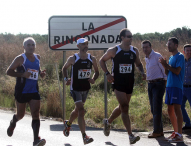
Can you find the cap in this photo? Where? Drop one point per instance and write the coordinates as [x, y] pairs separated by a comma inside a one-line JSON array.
[[81, 40]]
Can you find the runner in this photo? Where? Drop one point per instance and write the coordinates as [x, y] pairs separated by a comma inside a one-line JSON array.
[[79, 82], [26, 89], [123, 56]]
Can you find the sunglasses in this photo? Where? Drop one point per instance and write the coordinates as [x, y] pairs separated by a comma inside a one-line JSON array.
[[128, 36]]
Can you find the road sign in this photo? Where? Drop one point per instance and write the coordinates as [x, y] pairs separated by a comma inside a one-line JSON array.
[[102, 32]]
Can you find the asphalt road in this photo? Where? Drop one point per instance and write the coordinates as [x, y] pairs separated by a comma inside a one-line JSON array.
[[52, 131]]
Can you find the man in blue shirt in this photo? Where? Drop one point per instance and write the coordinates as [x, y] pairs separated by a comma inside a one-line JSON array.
[[187, 86], [175, 76]]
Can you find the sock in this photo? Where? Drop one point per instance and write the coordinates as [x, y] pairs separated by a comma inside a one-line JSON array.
[[178, 134], [84, 135], [69, 124], [14, 120], [35, 127]]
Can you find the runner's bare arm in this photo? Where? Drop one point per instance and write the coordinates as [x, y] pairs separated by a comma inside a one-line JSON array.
[[38, 56], [69, 62], [42, 73], [96, 74], [16, 63], [110, 53], [138, 62]]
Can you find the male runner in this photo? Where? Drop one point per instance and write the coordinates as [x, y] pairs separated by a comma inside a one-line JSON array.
[[79, 82], [26, 89], [123, 56]]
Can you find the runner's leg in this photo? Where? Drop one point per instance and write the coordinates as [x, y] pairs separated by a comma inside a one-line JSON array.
[[124, 100], [20, 110], [116, 112], [81, 113], [73, 115], [16, 117], [35, 112]]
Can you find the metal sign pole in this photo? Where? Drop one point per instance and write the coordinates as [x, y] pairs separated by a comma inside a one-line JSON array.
[[64, 91], [105, 90]]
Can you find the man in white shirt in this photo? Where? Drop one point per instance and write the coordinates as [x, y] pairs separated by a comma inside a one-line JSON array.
[[156, 78]]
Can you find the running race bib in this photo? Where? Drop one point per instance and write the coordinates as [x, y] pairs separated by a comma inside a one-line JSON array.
[[125, 68], [84, 73], [34, 74]]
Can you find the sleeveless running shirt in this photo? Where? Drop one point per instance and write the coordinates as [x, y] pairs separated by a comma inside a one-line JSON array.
[[80, 73], [28, 85], [123, 65]]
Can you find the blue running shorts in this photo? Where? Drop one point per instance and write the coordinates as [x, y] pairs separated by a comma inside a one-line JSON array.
[[174, 95]]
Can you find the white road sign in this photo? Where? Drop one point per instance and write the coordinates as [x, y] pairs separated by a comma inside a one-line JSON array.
[[101, 31]]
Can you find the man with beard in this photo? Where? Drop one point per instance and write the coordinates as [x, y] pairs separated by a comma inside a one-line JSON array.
[[79, 82], [175, 75], [26, 89], [123, 56]]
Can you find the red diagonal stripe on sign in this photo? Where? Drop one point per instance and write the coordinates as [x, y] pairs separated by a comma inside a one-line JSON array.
[[91, 31]]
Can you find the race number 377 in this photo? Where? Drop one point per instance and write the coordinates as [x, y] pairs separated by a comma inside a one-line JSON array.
[[34, 74], [84, 73], [125, 68]]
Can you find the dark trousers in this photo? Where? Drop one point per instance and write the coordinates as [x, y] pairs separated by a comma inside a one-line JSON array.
[[156, 92], [186, 96]]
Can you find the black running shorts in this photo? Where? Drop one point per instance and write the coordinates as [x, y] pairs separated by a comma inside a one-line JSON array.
[[26, 97], [122, 88]]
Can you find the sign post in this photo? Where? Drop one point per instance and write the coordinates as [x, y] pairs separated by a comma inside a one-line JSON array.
[[64, 91], [105, 90], [102, 32]]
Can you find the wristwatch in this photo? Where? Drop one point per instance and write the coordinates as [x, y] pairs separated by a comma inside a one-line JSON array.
[[65, 78], [106, 73]]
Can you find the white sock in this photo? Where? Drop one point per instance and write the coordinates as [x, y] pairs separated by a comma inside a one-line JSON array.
[[178, 134]]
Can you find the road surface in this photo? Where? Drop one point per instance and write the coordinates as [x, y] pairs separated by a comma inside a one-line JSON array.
[[52, 131]]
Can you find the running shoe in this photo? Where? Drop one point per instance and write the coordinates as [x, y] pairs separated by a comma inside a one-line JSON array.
[[11, 128], [133, 139], [107, 127], [176, 139], [67, 128], [172, 135], [39, 142], [87, 139]]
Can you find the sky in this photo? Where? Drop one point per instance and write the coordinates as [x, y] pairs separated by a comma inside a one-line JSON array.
[[143, 16]]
